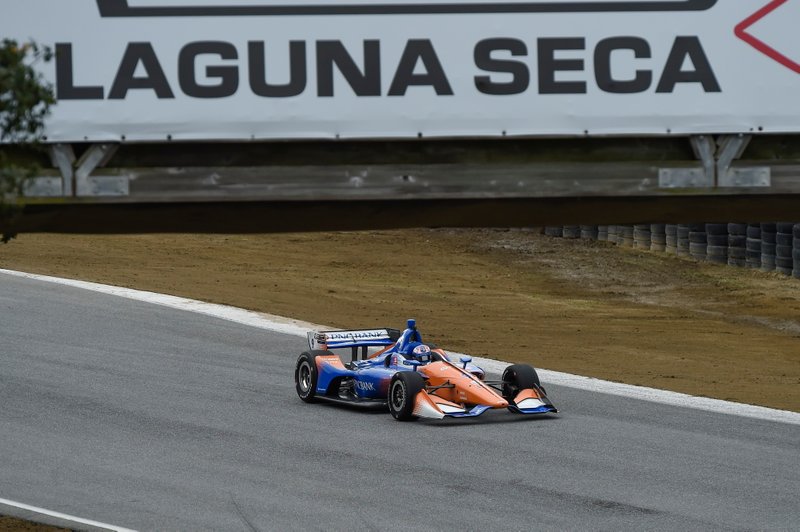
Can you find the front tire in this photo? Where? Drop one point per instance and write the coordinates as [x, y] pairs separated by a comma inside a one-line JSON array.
[[518, 377], [305, 376], [403, 390]]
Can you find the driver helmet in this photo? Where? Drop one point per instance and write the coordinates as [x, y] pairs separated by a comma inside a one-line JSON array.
[[419, 351]]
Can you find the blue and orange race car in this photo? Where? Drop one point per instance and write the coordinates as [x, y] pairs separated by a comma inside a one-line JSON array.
[[413, 379]]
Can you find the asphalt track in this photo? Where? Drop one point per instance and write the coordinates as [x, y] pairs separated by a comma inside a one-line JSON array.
[[158, 419]]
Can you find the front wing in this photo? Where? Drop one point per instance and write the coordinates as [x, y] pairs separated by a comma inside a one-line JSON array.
[[531, 401]]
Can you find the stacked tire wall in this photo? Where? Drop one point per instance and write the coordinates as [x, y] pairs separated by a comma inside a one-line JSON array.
[[698, 242], [717, 239], [737, 244], [754, 246], [796, 250], [783, 248], [769, 246]]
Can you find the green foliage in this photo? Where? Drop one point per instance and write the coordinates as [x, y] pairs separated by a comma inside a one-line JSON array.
[[25, 100]]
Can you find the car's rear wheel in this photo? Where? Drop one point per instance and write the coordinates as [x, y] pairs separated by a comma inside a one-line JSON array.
[[305, 377], [518, 377], [403, 390]]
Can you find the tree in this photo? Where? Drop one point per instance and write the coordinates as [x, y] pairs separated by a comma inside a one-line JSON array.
[[25, 100]]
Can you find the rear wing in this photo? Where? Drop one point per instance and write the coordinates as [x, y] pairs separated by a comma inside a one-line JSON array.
[[354, 339]]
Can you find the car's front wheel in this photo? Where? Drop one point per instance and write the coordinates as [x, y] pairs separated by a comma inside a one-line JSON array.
[[403, 390], [518, 377], [305, 377]]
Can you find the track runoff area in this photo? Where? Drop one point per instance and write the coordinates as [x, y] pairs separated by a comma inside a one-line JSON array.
[[299, 329]]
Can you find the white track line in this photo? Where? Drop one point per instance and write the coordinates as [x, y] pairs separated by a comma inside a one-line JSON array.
[[63, 517], [300, 328]]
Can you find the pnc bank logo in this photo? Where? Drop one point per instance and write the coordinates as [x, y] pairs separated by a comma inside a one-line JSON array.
[[181, 8]]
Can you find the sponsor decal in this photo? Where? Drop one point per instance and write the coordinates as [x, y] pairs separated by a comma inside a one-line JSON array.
[[365, 386]]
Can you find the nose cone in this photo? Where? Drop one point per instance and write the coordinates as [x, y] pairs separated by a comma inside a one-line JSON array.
[[480, 395]]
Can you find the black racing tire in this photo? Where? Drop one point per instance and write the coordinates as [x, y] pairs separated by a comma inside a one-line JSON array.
[[306, 375], [403, 388], [784, 227], [518, 377], [754, 231], [796, 230]]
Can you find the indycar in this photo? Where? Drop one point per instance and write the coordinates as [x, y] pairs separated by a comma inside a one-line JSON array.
[[397, 370]]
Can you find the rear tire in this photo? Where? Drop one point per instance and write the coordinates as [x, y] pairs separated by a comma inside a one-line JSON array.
[[305, 376], [403, 389], [518, 377]]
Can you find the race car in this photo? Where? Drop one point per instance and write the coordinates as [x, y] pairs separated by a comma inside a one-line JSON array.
[[413, 379]]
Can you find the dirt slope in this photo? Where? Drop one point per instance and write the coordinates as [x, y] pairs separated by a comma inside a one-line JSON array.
[[582, 307]]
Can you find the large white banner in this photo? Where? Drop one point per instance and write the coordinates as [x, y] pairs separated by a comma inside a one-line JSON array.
[[150, 70]]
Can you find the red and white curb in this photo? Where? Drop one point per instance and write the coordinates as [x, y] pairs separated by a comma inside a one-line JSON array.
[[299, 328]]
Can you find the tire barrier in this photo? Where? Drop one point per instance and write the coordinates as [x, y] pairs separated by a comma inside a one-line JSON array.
[[625, 235], [572, 231], [796, 251], [641, 236], [671, 238], [698, 243], [753, 246], [768, 231], [737, 244], [589, 232], [768, 246], [658, 237], [717, 243], [612, 234], [683, 240], [783, 248]]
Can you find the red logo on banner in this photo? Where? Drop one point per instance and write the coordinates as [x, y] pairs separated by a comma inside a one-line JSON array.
[[742, 32]]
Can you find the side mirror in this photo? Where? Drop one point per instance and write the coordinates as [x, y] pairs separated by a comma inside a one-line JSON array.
[[466, 360], [414, 363]]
